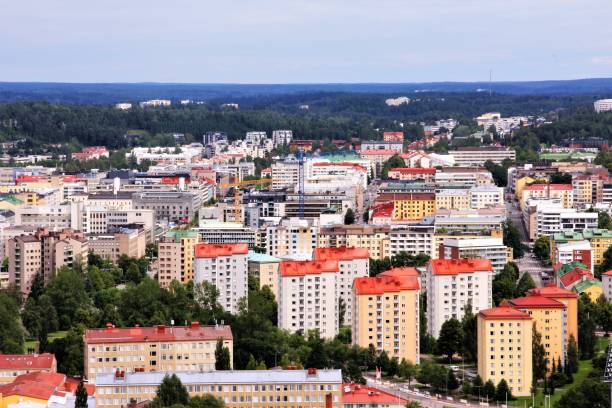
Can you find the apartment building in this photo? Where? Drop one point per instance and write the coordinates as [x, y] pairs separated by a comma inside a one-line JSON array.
[[478, 156], [470, 220], [410, 206], [44, 252], [606, 282], [292, 236], [574, 251], [602, 105], [561, 191], [456, 283], [588, 189], [285, 174], [569, 299], [167, 349], [600, 240], [226, 267], [470, 176], [457, 198], [412, 174], [13, 365], [254, 388], [372, 237], [552, 220], [490, 248], [168, 206], [54, 217], [126, 241], [215, 232], [505, 348], [176, 251], [412, 240], [387, 313], [377, 157], [486, 196], [265, 269], [550, 319], [308, 297], [282, 137], [352, 263], [395, 145]]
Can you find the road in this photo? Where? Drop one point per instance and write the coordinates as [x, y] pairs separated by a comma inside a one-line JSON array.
[[401, 391]]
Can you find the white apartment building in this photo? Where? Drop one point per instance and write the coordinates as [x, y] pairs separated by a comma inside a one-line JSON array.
[[353, 263], [486, 196], [255, 137], [54, 217], [123, 106], [478, 156], [155, 103], [217, 232], [606, 280], [580, 251], [226, 267], [490, 248], [172, 155], [341, 172], [454, 283], [603, 105], [413, 241], [285, 174], [308, 297], [550, 220], [293, 237], [469, 176], [282, 137]]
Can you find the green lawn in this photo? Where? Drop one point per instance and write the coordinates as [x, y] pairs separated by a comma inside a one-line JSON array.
[[584, 369], [30, 344]]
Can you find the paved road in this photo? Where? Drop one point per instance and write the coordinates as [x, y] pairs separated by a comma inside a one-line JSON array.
[[425, 400]]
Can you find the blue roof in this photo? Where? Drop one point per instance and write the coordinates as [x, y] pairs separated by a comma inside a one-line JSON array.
[[257, 257]]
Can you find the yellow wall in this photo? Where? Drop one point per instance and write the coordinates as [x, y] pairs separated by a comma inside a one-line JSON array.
[[268, 276], [550, 323], [494, 350], [413, 209], [187, 248], [520, 185], [16, 399], [459, 201], [594, 292], [380, 319], [376, 243]]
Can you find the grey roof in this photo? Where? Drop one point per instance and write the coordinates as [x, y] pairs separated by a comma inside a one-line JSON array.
[[226, 377]]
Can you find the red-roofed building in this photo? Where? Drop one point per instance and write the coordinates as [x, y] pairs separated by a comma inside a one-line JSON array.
[[393, 136], [353, 263], [158, 348], [266, 173], [226, 267], [456, 283], [504, 347], [574, 276], [562, 191], [12, 365], [308, 297], [91, 153], [40, 389], [413, 173], [362, 396], [568, 298], [382, 214]]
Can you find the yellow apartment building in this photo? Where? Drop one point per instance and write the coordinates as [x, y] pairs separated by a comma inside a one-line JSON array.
[[561, 191], [265, 269], [387, 313], [453, 198], [175, 256], [569, 299], [373, 237], [410, 206], [504, 347], [160, 348], [550, 320], [521, 184]]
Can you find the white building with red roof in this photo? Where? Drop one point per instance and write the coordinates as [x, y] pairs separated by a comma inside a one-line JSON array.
[[12, 365], [363, 396], [353, 263], [226, 267], [452, 284], [413, 173], [308, 296]]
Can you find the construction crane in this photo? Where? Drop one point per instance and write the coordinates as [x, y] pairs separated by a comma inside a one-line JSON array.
[[237, 201]]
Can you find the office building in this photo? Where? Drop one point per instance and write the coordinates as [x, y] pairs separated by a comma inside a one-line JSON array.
[[387, 313], [168, 206], [412, 174], [478, 156], [167, 349]]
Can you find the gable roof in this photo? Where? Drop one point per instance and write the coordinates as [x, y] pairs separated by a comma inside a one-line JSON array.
[[536, 302], [302, 268], [340, 254], [503, 312], [214, 250], [456, 266]]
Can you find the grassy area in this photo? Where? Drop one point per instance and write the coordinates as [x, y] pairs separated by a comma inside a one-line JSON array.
[[30, 344], [584, 368]]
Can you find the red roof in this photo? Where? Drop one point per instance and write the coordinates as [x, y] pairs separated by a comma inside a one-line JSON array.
[[456, 266], [540, 187], [418, 170], [342, 164], [157, 333], [383, 210], [362, 394], [404, 271], [389, 152], [607, 273], [536, 302], [504, 312], [385, 283], [26, 179], [45, 361], [39, 385], [340, 254], [215, 250], [552, 291], [301, 268], [574, 276]]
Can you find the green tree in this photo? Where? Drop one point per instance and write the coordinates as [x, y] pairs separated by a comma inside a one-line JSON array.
[[439, 378], [450, 340], [222, 356], [504, 285], [451, 381], [349, 217], [407, 370], [206, 401], [470, 334], [11, 332], [488, 390], [541, 248], [604, 221], [171, 391], [512, 238], [252, 364], [524, 285], [572, 363], [66, 290], [503, 392], [413, 404], [538, 356], [393, 162], [81, 396], [69, 351], [590, 393]]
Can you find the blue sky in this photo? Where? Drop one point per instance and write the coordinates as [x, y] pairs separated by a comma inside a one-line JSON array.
[[306, 41]]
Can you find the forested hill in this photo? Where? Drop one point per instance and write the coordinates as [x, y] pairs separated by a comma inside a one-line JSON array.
[[106, 93]]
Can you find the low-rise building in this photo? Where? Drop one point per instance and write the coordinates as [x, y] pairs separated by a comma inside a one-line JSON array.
[[600, 239], [254, 388], [561, 191], [226, 267], [478, 156], [505, 348], [363, 396], [13, 365], [488, 195], [387, 313], [412, 174]]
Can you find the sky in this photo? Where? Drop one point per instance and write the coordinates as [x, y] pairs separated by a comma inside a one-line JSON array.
[[304, 41]]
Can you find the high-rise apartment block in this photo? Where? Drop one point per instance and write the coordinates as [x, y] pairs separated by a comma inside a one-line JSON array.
[[175, 256]]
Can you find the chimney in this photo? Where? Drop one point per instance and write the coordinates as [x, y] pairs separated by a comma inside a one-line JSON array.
[[161, 328], [329, 401], [312, 371], [109, 326], [195, 325]]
